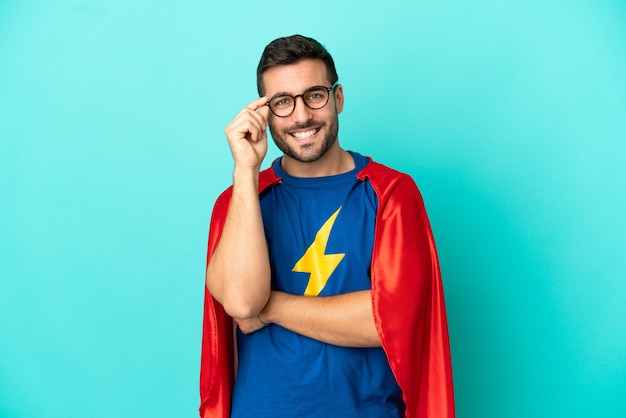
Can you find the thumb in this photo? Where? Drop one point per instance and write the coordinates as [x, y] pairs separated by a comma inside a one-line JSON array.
[[265, 112]]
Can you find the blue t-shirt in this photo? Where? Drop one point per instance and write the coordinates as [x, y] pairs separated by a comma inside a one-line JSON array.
[[320, 234]]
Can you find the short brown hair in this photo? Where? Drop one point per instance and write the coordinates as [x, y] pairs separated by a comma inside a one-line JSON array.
[[290, 50]]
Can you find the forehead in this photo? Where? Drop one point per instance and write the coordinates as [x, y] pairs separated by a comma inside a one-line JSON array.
[[295, 78]]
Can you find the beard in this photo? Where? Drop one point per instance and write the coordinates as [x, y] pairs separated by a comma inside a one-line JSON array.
[[306, 153]]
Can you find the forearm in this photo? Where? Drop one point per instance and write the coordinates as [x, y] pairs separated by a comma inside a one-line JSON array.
[[345, 320], [238, 274]]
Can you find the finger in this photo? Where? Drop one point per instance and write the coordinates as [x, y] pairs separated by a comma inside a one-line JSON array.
[[255, 127], [264, 111], [259, 121], [256, 133], [260, 116], [257, 103], [256, 108], [251, 121], [246, 124]]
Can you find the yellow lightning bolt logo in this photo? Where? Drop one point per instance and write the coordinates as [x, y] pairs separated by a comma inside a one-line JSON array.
[[316, 262]]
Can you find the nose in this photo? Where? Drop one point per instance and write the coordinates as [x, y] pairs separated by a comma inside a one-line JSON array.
[[301, 112]]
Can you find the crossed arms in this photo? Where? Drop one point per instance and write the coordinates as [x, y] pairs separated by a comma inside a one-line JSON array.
[[238, 274]]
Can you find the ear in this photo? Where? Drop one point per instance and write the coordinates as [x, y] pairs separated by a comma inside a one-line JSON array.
[[339, 98]]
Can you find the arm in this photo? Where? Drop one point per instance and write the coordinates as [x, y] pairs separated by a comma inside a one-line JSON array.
[[238, 273], [344, 320]]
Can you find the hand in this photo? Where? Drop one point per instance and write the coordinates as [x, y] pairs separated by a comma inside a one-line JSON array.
[[248, 326], [247, 134]]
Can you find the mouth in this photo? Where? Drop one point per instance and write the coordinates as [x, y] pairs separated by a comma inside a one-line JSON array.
[[305, 134]]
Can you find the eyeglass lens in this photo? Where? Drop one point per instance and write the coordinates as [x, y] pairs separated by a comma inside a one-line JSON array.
[[315, 98]]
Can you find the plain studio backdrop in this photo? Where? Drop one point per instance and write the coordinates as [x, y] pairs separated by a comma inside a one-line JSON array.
[[510, 115]]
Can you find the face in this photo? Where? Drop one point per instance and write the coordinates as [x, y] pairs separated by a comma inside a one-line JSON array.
[[307, 135]]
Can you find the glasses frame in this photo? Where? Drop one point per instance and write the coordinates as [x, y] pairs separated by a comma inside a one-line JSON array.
[[328, 90]]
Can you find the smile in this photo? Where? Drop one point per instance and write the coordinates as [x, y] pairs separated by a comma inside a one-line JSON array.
[[305, 134]]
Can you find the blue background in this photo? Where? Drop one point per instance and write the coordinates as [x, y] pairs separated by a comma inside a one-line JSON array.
[[510, 115]]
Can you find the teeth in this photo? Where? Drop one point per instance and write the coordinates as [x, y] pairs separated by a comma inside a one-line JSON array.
[[304, 135]]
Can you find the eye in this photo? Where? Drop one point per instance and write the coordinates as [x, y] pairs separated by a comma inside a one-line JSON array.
[[282, 101], [316, 95]]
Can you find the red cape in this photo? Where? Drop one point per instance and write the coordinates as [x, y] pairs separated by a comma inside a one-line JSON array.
[[407, 300]]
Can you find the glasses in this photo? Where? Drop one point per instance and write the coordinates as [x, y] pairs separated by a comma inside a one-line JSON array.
[[314, 98]]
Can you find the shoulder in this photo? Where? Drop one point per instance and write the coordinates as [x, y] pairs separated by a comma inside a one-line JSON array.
[[388, 182], [268, 178]]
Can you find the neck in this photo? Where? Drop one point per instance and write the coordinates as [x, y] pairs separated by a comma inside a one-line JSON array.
[[335, 161]]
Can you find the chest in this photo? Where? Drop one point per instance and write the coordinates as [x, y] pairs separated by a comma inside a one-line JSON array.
[[320, 238]]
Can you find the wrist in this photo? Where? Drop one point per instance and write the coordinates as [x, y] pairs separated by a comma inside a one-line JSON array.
[[243, 175], [246, 171], [262, 321], [271, 311]]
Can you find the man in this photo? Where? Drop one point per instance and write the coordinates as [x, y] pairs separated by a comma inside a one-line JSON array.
[[325, 262]]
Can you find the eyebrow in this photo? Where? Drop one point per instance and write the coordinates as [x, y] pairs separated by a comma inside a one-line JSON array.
[[282, 93]]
